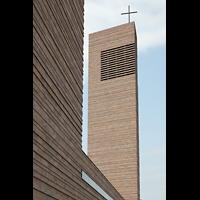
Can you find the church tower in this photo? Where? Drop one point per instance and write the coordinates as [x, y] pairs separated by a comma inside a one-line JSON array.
[[113, 137]]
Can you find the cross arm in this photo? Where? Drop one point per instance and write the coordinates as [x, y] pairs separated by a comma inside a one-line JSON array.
[[128, 13]]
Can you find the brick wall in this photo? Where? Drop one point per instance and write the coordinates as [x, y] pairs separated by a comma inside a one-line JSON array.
[[58, 159], [113, 114]]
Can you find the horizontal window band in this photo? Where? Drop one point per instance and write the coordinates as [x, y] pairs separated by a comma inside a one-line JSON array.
[[117, 69], [117, 73], [124, 54], [118, 51], [124, 46], [124, 58], [113, 66], [131, 51], [103, 79], [115, 63], [95, 186]]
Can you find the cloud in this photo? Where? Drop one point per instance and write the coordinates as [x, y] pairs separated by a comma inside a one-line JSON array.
[[150, 19]]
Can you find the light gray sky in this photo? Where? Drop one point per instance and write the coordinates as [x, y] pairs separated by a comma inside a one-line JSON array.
[[151, 35]]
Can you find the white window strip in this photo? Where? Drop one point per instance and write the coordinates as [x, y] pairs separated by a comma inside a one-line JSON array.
[[88, 180]]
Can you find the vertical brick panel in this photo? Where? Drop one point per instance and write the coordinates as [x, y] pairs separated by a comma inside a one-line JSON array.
[[113, 143]]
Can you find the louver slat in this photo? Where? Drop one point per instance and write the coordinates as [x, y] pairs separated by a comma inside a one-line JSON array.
[[118, 62]]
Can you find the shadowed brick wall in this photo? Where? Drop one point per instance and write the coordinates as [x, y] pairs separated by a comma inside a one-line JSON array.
[[58, 159], [113, 143]]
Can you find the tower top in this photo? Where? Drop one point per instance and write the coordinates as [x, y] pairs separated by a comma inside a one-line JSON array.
[[128, 13]]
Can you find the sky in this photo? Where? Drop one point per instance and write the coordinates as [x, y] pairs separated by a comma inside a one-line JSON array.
[[150, 21]]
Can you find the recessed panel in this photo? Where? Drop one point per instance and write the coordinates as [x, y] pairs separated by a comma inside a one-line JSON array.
[[118, 62]]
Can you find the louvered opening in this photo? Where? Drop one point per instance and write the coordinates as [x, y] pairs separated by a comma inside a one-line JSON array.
[[118, 62]]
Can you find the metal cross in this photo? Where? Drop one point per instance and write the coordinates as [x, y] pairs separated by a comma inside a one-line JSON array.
[[128, 13]]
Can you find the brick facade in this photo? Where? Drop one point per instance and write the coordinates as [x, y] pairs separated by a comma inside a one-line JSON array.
[[113, 143], [58, 159]]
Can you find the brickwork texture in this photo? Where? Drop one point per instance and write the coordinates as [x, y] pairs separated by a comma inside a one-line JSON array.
[[58, 159], [113, 143]]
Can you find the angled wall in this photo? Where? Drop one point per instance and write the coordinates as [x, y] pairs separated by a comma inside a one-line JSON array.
[[58, 159], [113, 143]]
